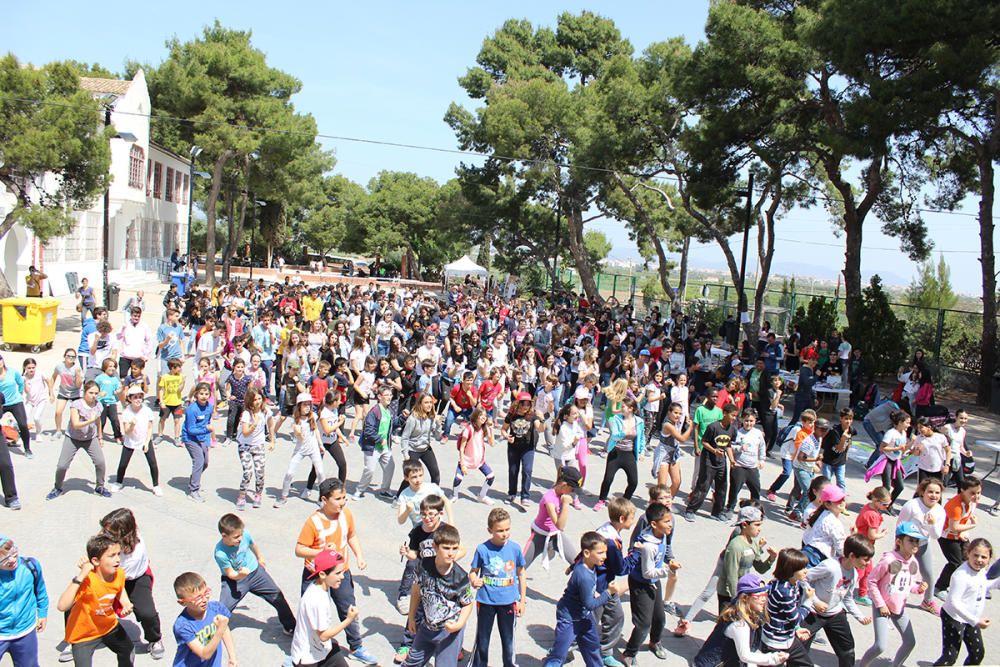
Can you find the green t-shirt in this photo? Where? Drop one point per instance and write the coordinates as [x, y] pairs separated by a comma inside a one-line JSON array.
[[702, 418], [384, 425]]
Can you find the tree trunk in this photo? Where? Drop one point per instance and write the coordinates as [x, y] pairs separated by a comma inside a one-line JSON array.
[[654, 239], [210, 213], [988, 348], [682, 280], [852, 267], [236, 234], [574, 233]]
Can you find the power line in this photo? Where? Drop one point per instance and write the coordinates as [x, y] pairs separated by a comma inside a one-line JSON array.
[[438, 149]]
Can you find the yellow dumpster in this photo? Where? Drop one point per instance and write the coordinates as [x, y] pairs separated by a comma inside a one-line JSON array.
[[29, 321]]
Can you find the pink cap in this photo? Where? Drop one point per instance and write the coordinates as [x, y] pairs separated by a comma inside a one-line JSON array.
[[831, 493]]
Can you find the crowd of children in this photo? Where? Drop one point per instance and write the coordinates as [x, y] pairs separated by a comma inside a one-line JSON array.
[[527, 379]]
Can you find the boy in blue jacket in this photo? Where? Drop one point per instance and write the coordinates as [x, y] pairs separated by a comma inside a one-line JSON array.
[[583, 596], [196, 434], [24, 605]]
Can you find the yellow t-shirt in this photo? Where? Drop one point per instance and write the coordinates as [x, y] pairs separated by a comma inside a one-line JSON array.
[[311, 308], [171, 386]]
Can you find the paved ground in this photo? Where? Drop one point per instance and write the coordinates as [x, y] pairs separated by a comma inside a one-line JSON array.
[[180, 536]]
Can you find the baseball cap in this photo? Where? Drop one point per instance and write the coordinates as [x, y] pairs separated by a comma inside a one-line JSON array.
[[831, 493], [581, 393], [304, 397], [909, 529], [822, 424], [643, 351], [135, 389], [750, 514], [522, 396], [325, 560], [749, 584], [570, 475]]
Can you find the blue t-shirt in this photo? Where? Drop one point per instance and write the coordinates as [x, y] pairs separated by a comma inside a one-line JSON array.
[[498, 568], [89, 326], [173, 348], [202, 630], [109, 386], [236, 557], [196, 421]]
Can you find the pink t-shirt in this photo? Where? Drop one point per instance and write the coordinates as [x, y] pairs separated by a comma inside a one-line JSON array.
[[543, 520], [473, 448], [891, 580]]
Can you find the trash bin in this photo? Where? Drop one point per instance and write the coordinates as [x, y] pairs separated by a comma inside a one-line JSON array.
[[114, 289], [994, 392], [29, 321], [179, 278]]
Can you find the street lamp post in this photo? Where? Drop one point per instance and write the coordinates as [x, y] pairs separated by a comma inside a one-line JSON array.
[[106, 227], [195, 152]]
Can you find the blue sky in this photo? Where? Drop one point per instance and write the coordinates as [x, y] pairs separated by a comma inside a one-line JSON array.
[[387, 71]]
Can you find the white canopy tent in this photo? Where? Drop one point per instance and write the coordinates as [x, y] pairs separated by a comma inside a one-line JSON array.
[[463, 267]]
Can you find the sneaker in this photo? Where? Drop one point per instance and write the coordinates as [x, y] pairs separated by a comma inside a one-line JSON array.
[[101, 491], [721, 518], [29, 454], [257, 500], [280, 502], [941, 595], [726, 515], [794, 516], [659, 651], [361, 655], [14, 504], [681, 629], [358, 495], [486, 500], [932, 606], [196, 496], [611, 661], [772, 497], [156, 650], [525, 501], [52, 495], [401, 654], [863, 599], [599, 506], [386, 493], [670, 607], [241, 502], [114, 487], [304, 493], [510, 500], [288, 632], [403, 605], [157, 491], [628, 660], [689, 516], [577, 505], [66, 655]]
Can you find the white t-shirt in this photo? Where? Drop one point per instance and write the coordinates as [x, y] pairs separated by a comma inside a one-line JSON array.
[[931, 457], [315, 615], [136, 563], [330, 417], [654, 389], [894, 438], [408, 495], [257, 436], [681, 395], [136, 439], [956, 438]]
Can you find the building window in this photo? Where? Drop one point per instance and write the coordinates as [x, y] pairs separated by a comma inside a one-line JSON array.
[[157, 179], [169, 192], [186, 191], [136, 162], [178, 193], [149, 177]]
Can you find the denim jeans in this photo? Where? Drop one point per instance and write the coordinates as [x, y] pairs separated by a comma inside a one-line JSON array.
[[836, 472], [804, 478], [451, 418]]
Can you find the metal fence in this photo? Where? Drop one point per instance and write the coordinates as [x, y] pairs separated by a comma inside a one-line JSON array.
[[950, 338]]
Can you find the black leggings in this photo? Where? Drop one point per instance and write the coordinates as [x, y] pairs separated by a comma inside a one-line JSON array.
[[953, 633], [233, 418], [109, 411], [140, 592], [336, 453], [154, 469], [953, 551], [7, 475], [895, 480], [429, 459], [620, 459], [21, 417], [769, 422]]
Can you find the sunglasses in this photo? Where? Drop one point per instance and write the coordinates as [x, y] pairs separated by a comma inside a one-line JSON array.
[[11, 557], [199, 597]]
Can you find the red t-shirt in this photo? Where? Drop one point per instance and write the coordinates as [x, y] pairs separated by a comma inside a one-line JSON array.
[[810, 353], [488, 393], [868, 518], [462, 399]]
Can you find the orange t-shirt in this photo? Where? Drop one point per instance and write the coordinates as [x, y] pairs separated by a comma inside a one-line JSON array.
[[92, 615], [320, 532], [956, 510]]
